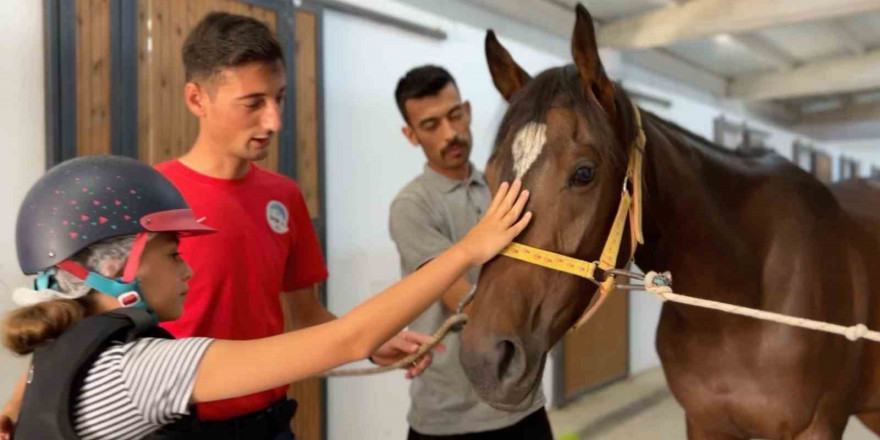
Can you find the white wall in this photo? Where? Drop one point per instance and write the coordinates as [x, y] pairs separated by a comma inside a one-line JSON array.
[[21, 123], [369, 161]]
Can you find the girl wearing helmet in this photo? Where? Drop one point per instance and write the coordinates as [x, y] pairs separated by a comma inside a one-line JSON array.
[[100, 234]]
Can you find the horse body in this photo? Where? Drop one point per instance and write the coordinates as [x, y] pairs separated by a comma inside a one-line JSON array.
[[744, 228], [757, 232]]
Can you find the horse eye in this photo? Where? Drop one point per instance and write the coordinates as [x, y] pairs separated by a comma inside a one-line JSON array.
[[582, 176]]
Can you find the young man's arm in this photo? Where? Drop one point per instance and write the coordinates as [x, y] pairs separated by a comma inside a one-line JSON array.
[[452, 297], [303, 308]]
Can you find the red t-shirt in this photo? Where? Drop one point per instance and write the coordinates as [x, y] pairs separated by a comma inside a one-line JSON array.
[[265, 244]]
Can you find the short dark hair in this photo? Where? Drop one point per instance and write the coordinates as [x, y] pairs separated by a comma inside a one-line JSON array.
[[224, 40], [420, 82]]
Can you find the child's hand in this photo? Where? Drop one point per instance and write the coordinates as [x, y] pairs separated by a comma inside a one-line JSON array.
[[7, 427], [499, 225]]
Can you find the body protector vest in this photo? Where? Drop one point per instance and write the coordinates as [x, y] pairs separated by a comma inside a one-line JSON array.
[[58, 370]]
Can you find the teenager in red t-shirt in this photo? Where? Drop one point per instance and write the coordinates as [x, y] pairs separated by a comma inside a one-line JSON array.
[[265, 255]]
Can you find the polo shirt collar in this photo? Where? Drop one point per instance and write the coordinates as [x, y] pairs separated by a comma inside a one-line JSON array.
[[445, 184]]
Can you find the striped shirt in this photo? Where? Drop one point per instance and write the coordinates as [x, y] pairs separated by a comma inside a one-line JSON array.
[[134, 389]]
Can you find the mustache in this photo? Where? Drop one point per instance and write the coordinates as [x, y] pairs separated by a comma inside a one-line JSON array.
[[455, 142]]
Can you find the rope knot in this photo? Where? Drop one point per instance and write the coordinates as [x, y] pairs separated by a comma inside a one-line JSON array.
[[660, 285], [856, 332]]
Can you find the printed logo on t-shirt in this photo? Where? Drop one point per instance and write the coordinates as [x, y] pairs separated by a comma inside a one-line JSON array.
[[276, 214]]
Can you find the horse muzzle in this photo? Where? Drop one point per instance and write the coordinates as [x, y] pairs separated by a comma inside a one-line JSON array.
[[504, 373]]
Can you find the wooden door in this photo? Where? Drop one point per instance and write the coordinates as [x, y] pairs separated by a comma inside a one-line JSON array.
[[598, 352], [822, 166], [165, 127]]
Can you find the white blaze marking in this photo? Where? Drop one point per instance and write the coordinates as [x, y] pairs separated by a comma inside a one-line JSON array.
[[527, 146]]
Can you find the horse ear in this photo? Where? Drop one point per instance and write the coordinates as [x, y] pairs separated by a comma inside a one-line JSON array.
[[585, 52], [506, 74]]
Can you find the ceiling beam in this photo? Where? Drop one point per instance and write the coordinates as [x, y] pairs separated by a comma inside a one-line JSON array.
[[839, 75], [844, 37], [704, 18], [546, 16], [557, 20], [765, 50]]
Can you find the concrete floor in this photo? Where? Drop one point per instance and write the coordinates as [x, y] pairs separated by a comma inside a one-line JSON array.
[[637, 408]]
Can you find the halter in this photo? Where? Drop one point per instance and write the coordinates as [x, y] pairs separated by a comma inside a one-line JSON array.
[[601, 272]]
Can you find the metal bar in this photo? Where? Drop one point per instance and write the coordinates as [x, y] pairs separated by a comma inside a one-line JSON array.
[[378, 17], [124, 78], [287, 160], [67, 28], [60, 19], [52, 58]]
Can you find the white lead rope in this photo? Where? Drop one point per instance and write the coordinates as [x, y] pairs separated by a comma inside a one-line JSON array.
[[660, 286]]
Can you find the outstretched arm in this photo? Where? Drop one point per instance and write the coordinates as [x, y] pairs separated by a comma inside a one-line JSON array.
[[235, 368]]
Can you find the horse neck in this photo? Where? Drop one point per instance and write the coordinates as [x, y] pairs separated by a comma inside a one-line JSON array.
[[690, 228]]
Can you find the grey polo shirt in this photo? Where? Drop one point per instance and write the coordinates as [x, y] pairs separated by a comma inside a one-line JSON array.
[[428, 215]]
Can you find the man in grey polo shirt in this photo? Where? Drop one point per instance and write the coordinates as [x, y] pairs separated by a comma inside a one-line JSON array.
[[429, 214]]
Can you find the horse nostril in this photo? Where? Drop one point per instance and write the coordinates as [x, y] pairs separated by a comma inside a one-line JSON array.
[[509, 361], [508, 352]]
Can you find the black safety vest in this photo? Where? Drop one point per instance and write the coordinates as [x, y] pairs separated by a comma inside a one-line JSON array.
[[58, 370]]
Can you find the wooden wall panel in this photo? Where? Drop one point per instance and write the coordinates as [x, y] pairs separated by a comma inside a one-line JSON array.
[[93, 77]]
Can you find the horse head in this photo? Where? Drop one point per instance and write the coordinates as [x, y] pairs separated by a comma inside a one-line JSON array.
[[566, 134]]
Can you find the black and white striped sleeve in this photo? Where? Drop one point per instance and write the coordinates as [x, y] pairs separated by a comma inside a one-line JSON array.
[[133, 389], [161, 374]]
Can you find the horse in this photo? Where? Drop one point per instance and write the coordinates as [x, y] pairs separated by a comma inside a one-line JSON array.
[[746, 228]]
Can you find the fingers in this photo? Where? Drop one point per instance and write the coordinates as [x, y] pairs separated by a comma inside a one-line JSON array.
[[417, 338], [517, 208], [404, 343], [521, 224], [6, 428], [509, 198], [419, 367], [499, 196]]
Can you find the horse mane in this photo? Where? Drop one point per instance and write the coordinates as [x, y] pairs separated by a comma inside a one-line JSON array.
[[742, 153]]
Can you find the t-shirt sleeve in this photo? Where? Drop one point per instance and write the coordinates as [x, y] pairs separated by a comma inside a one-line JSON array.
[[416, 234], [160, 375], [305, 262]]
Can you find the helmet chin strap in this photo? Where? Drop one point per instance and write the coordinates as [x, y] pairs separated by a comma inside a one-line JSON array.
[[126, 290]]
